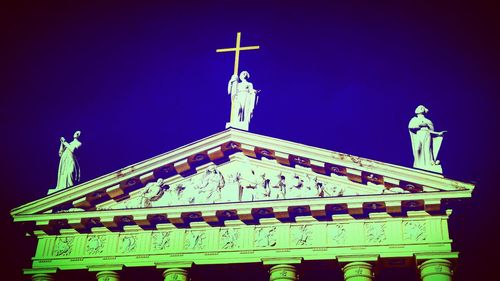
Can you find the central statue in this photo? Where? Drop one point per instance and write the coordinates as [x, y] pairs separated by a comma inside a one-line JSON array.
[[243, 100], [243, 96]]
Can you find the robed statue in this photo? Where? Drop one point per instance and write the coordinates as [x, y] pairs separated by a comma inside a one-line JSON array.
[[243, 100], [425, 141], [69, 170]]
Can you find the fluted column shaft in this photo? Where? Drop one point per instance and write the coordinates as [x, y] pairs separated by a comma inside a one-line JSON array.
[[175, 274], [358, 271], [283, 272], [42, 277], [107, 276], [436, 270]]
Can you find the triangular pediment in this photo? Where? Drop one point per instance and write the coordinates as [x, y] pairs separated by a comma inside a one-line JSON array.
[[244, 179], [236, 166]]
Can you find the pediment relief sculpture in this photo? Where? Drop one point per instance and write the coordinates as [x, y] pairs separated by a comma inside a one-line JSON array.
[[240, 183]]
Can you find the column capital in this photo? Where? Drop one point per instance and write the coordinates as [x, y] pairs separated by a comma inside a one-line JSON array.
[[42, 277], [343, 260], [358, 271], [167, 265], [175, 274], [422, 257], [107, 267], [283, 272], [278, 261], [107, 275], [436, 269]]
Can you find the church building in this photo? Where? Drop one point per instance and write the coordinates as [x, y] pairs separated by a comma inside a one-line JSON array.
[[239, 198]]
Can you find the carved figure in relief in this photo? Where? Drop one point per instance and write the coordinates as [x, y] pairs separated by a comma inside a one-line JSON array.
[[414, 231], [301, 235], [95, 245], [161, 240], [310, 186], [425, 141], [194, 240], [145, 197], [265, 237], [277, 186], [375, 232], [394, 190], [337, 233], [250, 180], [231, 192], [262, 188], [69, 170], [128, 244], [294, 185], [63, 246], [153, 192], [229, 238], [184, 194], [209, 186]]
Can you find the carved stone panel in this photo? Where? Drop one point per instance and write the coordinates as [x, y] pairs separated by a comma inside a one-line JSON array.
[[128, 244], [336, 234], [241, 183], [301, 235], [375, 232], [95, 244], [195, 240], [229, 238], [63, 246], [265, 237], [414, 231], [160, 240]]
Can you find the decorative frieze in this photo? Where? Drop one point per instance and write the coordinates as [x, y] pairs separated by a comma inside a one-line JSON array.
[[265, 237], [344, 235], [229, 238], [128, 244], [301, 235], [63, 246], [414, 231], [375, 232], [195, 240], [160, 240], [95, 244], [336, 234]]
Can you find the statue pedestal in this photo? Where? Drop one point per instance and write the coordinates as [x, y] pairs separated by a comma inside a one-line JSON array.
[[436, 168], [237, 125], [53, 190]]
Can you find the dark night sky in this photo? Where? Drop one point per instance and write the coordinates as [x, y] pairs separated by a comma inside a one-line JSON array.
[[141, 78]]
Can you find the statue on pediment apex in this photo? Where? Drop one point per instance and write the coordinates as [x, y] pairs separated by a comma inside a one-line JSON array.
[[69, 170], [243, 99], [425, 141]]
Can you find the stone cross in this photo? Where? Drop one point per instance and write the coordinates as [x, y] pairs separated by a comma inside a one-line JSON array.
[[237, 50]]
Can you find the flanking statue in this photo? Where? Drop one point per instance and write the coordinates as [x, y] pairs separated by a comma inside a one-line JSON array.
[[425, 141], [69, 170]]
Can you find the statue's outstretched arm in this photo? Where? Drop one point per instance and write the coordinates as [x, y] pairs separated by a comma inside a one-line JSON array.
[[61, 149], [231, 85], [438, 133]]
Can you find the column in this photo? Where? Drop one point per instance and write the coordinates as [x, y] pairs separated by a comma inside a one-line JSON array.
[[436, 270], [358, 271], [175, 274], [42, 277], [107, 276], [283, 272]]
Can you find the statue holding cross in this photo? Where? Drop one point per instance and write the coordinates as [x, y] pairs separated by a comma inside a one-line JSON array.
[[243, 95]]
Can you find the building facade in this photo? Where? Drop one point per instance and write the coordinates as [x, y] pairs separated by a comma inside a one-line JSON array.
[[241, 198]]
